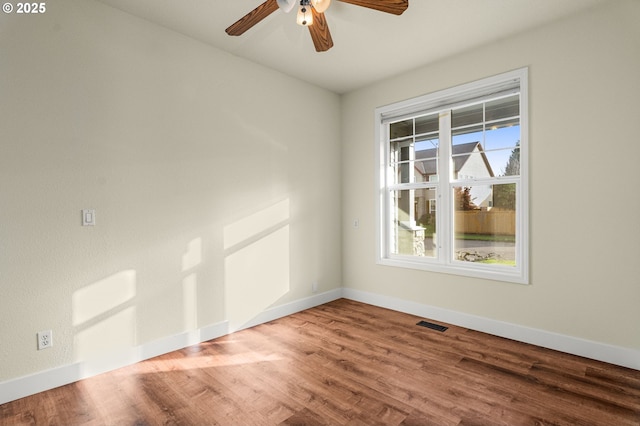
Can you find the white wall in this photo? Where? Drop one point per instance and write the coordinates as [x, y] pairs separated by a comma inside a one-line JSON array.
[[207, 186], [584, 90]]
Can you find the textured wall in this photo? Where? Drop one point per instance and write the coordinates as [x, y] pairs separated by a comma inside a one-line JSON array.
[[584, 90], [209, 183]]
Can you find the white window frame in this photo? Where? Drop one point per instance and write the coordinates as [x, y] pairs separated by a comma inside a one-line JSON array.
[[441, 101]]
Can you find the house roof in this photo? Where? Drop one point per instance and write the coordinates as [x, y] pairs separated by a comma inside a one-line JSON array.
[[461, 153]]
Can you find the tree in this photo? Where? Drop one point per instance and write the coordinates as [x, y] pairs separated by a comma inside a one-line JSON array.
[[504, 195], [513, 164], [463, 199]]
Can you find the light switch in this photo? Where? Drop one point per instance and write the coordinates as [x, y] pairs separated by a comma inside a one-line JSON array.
[[88, 217]]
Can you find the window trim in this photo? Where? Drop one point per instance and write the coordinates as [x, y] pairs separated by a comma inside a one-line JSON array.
[[473, 92]]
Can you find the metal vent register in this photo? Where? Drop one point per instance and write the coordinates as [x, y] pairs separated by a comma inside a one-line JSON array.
[[432, 326]]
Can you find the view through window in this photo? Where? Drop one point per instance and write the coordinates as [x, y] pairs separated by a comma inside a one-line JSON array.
[[453, 180]]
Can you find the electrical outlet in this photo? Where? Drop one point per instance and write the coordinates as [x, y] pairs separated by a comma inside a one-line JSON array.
[[314, 286], [45, 339]]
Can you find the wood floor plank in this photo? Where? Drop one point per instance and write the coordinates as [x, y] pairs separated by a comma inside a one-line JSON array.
[[561, 403], [346, 363]]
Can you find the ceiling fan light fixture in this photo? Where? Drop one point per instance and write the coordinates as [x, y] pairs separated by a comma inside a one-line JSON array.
[[305, 17], [320, 5]]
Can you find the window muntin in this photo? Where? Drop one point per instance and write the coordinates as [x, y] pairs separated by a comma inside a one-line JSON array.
[[471, 220]]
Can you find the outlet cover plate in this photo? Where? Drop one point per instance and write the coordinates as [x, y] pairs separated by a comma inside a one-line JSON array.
[[45, 339]]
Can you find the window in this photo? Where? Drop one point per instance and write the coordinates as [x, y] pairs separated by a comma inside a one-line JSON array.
[[453, 180]]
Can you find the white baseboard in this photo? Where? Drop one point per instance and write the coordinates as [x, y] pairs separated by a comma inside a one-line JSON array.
[[49, 379], [293, 307], [60, 376], [28, 385], [617, 355]]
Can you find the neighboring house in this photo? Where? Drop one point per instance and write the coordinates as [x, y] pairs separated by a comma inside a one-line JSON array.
[[469, 162]]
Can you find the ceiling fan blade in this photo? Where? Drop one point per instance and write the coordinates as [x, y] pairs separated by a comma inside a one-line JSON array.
[[397, 7], [319, 31], [252, 18]]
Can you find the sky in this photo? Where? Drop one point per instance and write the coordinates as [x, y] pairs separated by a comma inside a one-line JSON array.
[[502, 140]]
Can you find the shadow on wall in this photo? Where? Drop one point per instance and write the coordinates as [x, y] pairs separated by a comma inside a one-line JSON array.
[[104, 313], [256, 264], [191, 259]]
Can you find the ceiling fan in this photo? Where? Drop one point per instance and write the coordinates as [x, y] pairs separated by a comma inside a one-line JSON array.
[[311, 15]]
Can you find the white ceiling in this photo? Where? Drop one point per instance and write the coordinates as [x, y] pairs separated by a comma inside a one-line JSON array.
[[368, 45]]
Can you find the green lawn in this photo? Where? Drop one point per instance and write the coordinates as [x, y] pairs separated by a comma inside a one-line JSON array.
[[499, 262]]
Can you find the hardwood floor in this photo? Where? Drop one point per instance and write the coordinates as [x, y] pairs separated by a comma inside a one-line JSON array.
[[347, 363]]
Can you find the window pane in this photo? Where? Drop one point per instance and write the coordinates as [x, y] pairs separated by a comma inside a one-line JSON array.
[[414, 222], [512, 168], [404, 175], [485, 224], [426, 155], [502, 135], [401, 157], [467, 115], [426, 170], [475, 165], [401, 129], [502, 108], [469, 159], [427, 124], [505, 162], [503, 146], [467, 134]]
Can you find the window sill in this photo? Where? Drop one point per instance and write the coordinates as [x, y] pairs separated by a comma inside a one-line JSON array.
[[511, 275]]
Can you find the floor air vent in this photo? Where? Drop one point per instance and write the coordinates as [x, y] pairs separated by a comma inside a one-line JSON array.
[[432, 326]]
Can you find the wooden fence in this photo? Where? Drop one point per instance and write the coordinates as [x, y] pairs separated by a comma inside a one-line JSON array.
[[486, 222]]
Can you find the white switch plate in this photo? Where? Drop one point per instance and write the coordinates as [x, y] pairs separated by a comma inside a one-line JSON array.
[[88, 217]]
